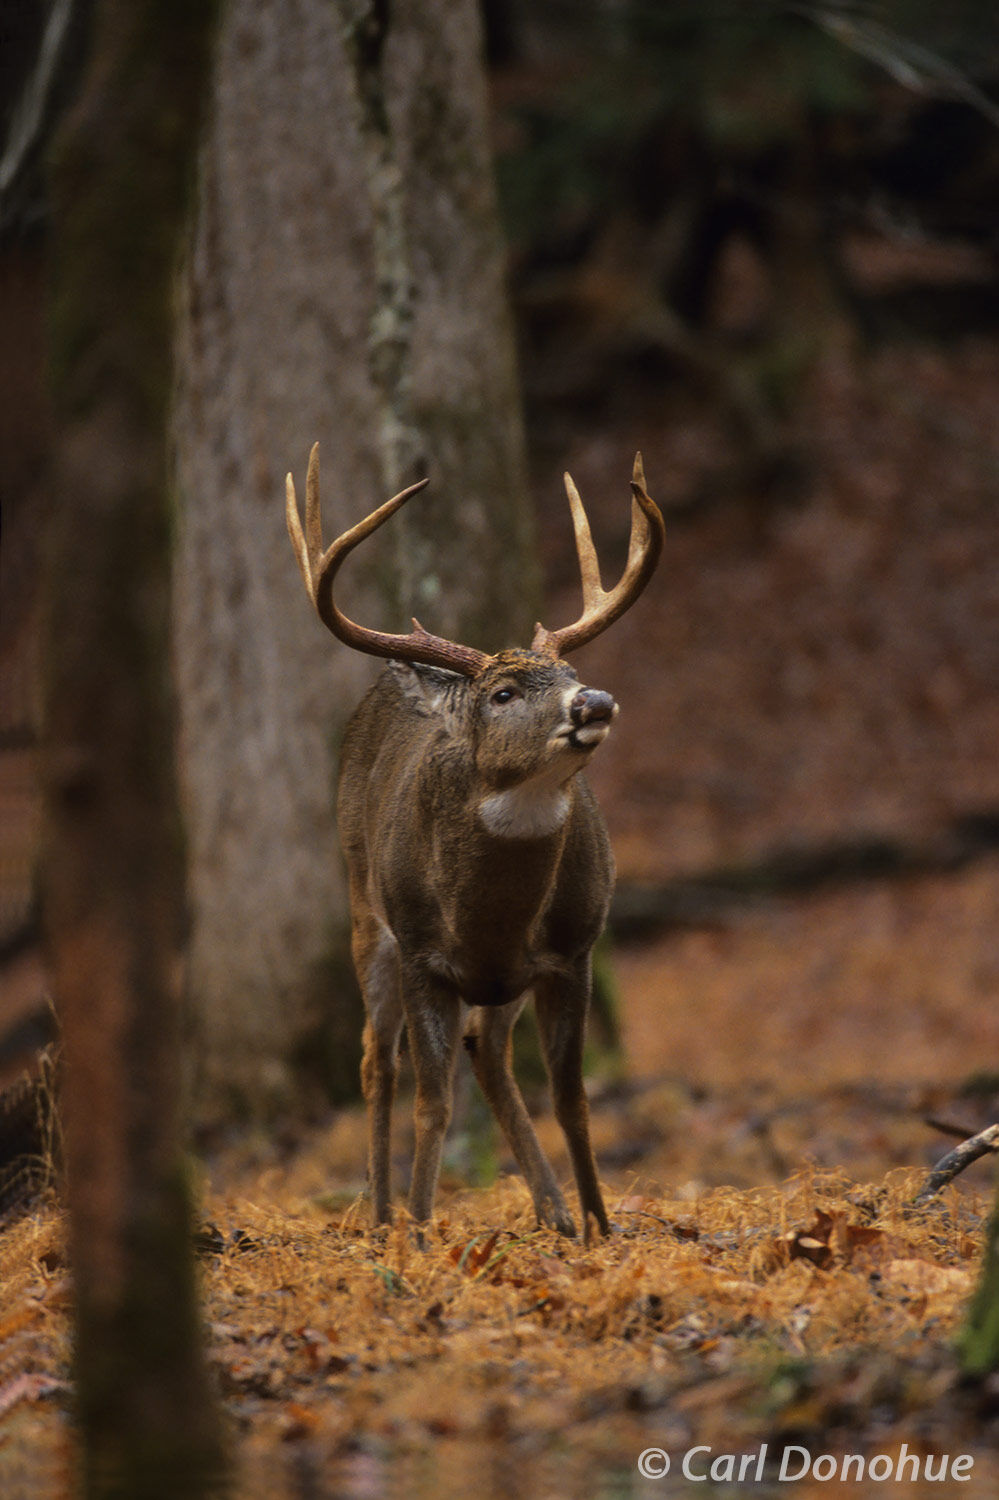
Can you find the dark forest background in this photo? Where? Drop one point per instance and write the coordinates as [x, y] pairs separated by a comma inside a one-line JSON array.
[[759, 241]]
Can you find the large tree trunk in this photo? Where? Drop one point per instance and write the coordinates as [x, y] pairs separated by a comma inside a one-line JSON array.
[[114, 869], [345, 284]]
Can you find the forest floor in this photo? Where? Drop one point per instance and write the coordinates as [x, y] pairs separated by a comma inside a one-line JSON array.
[[814, 1313], [813, 669], [767, 1281]]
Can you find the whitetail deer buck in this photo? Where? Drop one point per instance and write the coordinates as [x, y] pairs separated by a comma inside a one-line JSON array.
[[479, 865]]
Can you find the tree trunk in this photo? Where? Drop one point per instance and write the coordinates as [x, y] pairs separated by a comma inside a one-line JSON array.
[[345, 284], [980, 1336], [114, 872]]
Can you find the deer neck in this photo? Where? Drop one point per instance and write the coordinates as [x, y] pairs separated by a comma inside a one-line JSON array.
[[497, 890], [534, 809]]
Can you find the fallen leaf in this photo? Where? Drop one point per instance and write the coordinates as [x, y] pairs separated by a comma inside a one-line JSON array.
[[472, 1256], [298, 1421]]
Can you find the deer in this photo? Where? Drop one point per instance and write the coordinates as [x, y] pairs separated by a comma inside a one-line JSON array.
[[478, 862]]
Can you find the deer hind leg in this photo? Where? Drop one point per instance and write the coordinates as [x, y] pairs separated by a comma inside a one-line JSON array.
[[561, 1008], [433, 1021], [488, 1041], [376, 959]]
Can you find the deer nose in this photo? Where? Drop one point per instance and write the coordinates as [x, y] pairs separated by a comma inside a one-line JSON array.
[[590, 706]]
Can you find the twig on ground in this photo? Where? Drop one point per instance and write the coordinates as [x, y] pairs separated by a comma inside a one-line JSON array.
[[955, 1161], [948, 1127]]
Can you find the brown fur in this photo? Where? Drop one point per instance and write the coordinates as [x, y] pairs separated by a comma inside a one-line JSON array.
[[448, 914], [479, 866]]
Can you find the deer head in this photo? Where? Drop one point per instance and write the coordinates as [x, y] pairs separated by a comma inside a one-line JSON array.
[[479, 865]]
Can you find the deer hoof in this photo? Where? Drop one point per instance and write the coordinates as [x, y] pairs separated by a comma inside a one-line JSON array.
[[558, 1219]]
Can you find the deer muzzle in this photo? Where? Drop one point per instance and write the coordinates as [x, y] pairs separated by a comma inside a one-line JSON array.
[[591, 712]]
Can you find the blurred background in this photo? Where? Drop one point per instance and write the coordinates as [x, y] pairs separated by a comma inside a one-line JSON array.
[[757, 241]]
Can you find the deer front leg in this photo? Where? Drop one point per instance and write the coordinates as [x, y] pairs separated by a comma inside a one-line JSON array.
[[488, 1041], [561, 1004], [376, 960], [433, 1021]]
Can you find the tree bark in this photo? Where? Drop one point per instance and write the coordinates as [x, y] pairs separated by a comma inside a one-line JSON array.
[[345, 283], [979, 1343], [114, 868]]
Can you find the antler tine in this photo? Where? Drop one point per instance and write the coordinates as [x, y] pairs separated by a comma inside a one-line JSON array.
[[297, 537], [589, 565], [313, 513], [648, 534], [600, 606], [319, 569]]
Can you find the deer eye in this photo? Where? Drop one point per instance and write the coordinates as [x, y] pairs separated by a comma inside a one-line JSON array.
[[504, 695]]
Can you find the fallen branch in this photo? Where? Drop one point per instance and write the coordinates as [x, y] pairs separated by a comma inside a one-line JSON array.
[[719, 897], [948, 1167], [947, 1127]]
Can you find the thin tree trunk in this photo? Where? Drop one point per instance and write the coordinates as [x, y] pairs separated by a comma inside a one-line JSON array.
[[113, 879], [980, 1336], [345, 284]]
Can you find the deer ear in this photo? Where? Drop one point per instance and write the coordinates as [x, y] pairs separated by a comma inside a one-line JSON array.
[[432, 691]]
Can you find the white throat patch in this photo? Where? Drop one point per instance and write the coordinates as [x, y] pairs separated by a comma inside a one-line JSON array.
[[530, 811]]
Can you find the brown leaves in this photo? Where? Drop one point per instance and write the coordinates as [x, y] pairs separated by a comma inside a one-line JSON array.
[[28, 1387], [479, 1256], [831, 1240], [329, 1338], [903, 1275], [320, 1355], [473, 1256]]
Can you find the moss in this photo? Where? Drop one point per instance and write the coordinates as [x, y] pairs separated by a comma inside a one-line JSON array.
[[979, 1341], [473, 1149]]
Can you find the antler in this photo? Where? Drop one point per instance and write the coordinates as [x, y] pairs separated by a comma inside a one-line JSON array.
[[601, 608], [319, 569]]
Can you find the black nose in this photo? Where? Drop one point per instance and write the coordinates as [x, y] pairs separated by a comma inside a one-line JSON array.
[[590, 706]]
